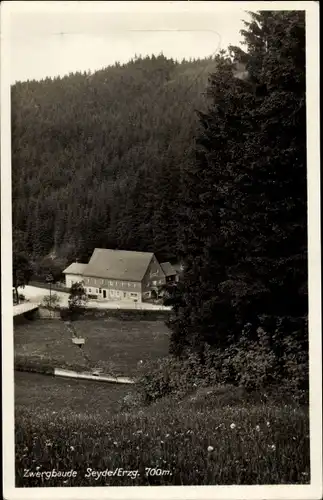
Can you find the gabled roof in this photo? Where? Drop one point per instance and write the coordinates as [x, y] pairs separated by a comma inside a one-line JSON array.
[[75, 268], [118, 264], [168, 269]]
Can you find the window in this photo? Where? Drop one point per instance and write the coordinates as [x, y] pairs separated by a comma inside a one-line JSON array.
[[116, 283], [134, 295], [97, 291], [90, 290], [154, 282], [102, 281], [100, 290], [112, 293], [117, 293], [111, 283]]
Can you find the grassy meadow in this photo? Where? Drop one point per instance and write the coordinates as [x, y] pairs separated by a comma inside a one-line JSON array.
[[214, 436], [114, 346]]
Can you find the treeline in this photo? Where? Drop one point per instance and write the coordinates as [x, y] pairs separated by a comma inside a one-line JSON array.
[[243, 213], [97, 158]]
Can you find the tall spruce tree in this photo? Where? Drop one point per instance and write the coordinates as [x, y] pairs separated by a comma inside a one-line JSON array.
[[244, 232]]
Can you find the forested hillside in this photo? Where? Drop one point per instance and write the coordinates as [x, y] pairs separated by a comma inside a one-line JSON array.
[[97, 158]]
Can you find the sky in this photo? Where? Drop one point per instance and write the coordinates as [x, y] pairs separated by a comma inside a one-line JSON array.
[[55, 38]]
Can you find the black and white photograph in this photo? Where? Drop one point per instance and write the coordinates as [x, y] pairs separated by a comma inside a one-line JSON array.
[[160, 215]]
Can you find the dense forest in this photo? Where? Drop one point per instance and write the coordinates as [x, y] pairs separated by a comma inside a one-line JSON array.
[[97, 158]]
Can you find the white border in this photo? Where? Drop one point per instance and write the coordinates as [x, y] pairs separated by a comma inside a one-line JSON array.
[[312, 491]]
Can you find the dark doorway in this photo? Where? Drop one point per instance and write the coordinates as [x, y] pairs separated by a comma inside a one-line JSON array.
[[104, 294]]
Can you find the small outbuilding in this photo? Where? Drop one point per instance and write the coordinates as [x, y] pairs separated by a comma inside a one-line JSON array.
[[74, 274]]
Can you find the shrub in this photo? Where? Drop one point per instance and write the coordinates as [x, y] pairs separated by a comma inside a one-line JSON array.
[[271, 352], [253, 363], [51, 302], [171, 375], [274, 350], [77, 301]]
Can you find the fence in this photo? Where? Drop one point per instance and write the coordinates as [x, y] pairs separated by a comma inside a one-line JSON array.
[[54, 287]]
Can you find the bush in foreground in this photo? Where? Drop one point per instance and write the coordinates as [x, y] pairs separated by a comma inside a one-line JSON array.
[[272, 353]]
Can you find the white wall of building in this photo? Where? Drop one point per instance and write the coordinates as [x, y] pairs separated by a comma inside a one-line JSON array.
[[110, 294], [70, 279], [113, 294]]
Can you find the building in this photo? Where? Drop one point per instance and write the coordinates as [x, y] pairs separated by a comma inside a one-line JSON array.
[[120, 275], [171, 274], [74, 273]]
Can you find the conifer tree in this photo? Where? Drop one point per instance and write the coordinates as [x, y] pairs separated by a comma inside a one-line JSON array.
[[243, 216]]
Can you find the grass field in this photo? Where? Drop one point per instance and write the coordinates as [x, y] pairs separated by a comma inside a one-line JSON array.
[[218, 435], [58, 395], [67, 425], [115, 346]]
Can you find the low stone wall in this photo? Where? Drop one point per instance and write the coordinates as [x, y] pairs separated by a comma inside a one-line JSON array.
[[92, 313], [121, 314], [45, 286]]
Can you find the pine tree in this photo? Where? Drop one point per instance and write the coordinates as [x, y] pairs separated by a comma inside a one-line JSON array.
[[244, 200]]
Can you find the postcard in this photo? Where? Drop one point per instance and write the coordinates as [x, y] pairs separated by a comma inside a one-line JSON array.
[[160, 218]]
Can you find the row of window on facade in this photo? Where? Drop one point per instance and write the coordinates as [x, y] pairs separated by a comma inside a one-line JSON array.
[[110, 283], [112, 293]]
